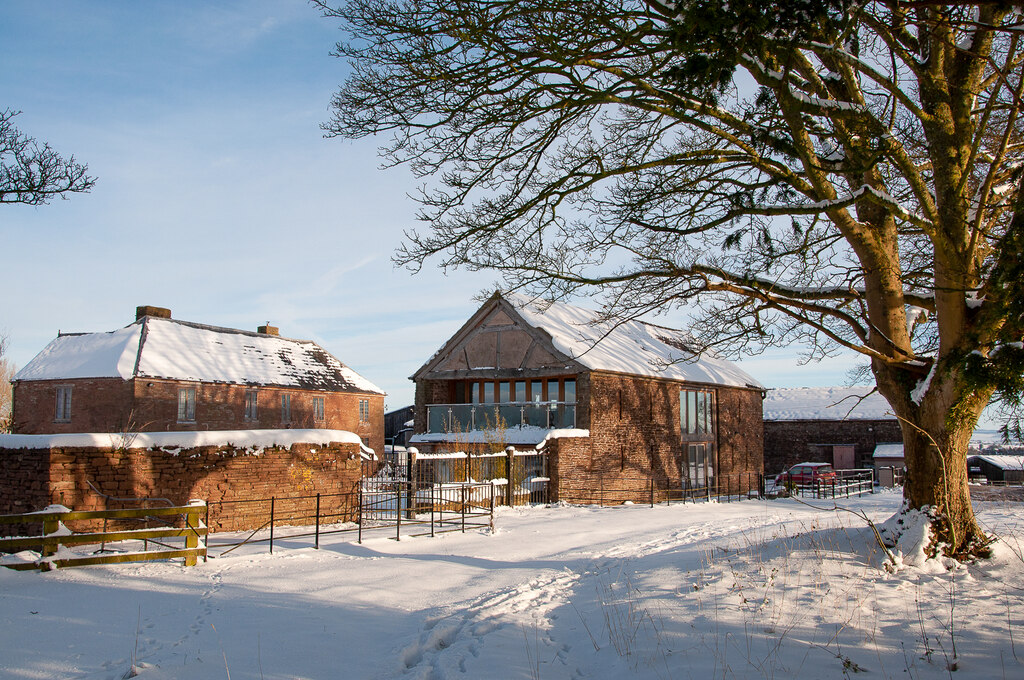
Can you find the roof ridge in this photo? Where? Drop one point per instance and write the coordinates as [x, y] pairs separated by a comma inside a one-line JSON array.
[[225, 329]]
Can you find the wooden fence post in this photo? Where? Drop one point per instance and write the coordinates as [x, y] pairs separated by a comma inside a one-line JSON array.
[[50, 526], [192, 537]]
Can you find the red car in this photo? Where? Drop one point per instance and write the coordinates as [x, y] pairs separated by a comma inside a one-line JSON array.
[[807, 474]]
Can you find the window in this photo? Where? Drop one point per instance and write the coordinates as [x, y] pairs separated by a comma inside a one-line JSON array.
[[569, 387], [62, 411], [696, 412], [186, 404], [364, 410], [318, 408], [699, 466], [286, 408], [536, 390], [514, 391], [251, 405]]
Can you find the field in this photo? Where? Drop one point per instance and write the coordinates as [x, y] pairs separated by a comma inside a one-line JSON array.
[[758, 589]]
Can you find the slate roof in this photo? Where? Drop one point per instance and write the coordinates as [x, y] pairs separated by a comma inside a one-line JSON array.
[[155, 347]]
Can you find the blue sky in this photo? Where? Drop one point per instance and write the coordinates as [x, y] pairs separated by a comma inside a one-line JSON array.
[[217, 194]]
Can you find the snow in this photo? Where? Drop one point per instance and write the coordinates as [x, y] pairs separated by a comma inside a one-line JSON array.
[[826, 403], [1003, 461], [520, 434], [894, 450], [91, 355], [917, 394], [178, 350], [631, 347], [755, 589], [244, 439]]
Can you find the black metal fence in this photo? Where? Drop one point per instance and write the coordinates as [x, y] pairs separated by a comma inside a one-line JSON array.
[[389, 502], [403, 508]]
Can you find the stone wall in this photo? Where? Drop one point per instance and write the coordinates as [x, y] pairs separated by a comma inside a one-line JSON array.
[[230, 479], [788, 442]]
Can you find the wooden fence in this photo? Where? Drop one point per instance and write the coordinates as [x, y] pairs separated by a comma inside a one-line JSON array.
[[48, 545]]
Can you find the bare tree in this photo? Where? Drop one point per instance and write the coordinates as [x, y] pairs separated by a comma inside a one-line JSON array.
[[7, 372], [835, 175], [34, 174]]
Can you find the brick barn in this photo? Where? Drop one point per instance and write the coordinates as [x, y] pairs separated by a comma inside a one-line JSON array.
[[837, 425], [161, 374], [628, 402]]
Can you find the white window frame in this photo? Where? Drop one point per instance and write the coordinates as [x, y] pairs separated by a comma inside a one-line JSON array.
[[62, 407], [318, 409], [364, 410]]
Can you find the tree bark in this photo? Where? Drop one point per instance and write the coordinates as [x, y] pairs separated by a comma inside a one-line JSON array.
[[936, 434]]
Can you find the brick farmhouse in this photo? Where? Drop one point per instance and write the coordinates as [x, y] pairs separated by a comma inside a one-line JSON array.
[[161, 374], [837, 425], [621, 404]]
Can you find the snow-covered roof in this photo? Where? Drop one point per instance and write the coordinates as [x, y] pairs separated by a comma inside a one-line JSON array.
[[1002, 462], [894, 450], [631, 347], [524, 434], [826, 403], [154, 347]]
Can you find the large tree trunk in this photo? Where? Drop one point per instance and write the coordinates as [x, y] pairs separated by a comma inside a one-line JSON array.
[[936, 434], [937, 479]]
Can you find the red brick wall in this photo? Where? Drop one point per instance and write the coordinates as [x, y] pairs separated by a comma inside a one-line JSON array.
[[740, 440], [222, 407], [97, 405], [223, 476], [635, 435], [113, 405]]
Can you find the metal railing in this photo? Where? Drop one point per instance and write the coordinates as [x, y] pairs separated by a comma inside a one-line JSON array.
[[454, 418], [406, 508], [847, 483]]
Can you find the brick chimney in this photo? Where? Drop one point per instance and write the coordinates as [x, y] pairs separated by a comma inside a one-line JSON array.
[[149, 310], [267, 330]]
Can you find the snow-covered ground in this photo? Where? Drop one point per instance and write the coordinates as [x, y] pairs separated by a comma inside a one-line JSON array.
[[758, 589]]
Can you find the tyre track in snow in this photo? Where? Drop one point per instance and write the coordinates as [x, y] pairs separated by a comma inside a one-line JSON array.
[[518, 618], [521, 619]]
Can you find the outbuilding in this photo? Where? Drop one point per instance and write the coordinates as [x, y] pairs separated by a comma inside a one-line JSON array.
[[161, 374]]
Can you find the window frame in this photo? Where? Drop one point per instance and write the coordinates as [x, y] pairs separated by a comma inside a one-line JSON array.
[[286, 407], [318, 409], [252, 405], [62, 404], [697, 413], [186, 407]]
